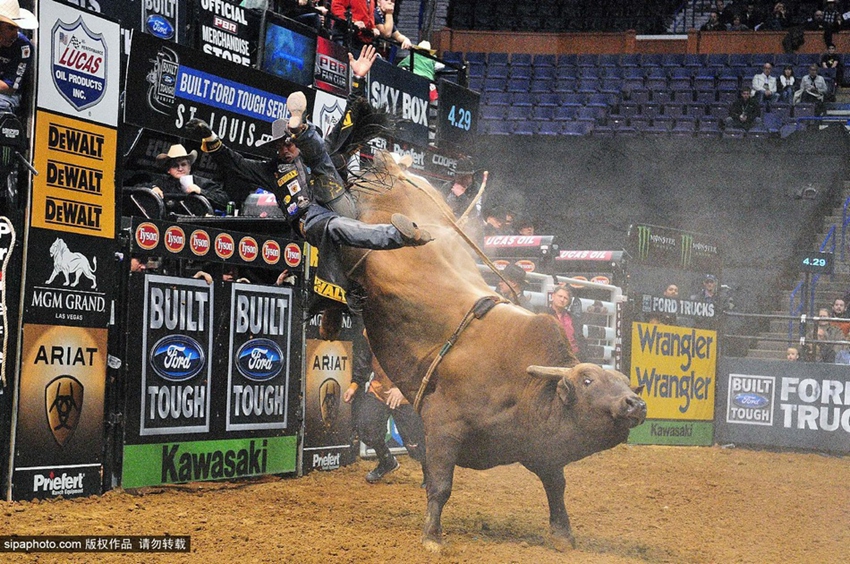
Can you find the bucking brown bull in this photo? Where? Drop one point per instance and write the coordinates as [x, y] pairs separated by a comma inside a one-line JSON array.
[[509, 389]]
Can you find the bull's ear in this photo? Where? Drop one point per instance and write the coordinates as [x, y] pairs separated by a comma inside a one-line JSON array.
[[566, 391], [638, 389]]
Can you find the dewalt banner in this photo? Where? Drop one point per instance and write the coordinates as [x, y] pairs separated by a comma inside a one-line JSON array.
[[677, 367]]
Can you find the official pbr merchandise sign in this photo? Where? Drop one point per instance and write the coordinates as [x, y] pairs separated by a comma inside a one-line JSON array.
[[260, 362], [173, 84], [75, 191], [403, 94], [78, 63], [672, 248], [176, 344], [228, 31], [59, 434], [676, 366], [783, 404]]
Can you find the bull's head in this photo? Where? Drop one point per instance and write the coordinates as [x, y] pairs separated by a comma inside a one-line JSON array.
[[604, 389]]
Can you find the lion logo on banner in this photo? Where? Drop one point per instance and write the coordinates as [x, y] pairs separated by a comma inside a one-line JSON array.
[[70, 263]]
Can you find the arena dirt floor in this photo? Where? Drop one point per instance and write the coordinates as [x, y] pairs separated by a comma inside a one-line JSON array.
[[633, 504]]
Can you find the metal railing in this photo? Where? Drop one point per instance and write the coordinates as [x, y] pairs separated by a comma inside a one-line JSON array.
[[804, 341]]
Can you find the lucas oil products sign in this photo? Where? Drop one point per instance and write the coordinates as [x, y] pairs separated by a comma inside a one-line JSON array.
[[176, 344]]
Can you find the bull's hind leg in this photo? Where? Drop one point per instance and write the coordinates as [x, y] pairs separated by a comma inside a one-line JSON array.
[[559, 522], [440, 461]]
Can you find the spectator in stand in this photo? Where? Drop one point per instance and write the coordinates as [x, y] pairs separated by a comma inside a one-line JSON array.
[[744, 112], [179, 180], [786, 84], [308, 12], [737, 25], [494, 222], [839, 310], [764, 86], [713, 23], [812, 90], [726, 12], [562, 299], [824, 331], [16, 52], [815, 23], [362, 18], [777, 20], [525, 225], [751, 17], [460, 192], [514, 289], [423, 66], [384, 10], [832, 60], [670, 292], [832, 20], [792, 354]]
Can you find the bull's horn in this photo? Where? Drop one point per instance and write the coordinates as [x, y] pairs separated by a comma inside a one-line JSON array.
[[552, 372]]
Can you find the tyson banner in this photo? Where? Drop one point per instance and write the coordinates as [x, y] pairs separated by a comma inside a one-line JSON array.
[[176, 363], [239, 103], [260, 357]]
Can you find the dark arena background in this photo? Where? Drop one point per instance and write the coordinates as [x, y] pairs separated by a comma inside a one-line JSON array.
[[166, 394]]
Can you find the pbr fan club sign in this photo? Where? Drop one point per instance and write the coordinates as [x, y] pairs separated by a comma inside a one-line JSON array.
[[403, 94], [70, 282], [260, 365], [331, 67], [60, 412], [783, 404], [676, 366], [176, 344], [79, 63], [238, 103], [228, 31]]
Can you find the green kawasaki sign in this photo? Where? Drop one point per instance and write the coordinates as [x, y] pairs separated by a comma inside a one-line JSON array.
[[170, 463], [659, 432]]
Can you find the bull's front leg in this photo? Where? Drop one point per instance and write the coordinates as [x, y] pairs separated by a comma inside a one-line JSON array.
[[559, 522], [440, 463]]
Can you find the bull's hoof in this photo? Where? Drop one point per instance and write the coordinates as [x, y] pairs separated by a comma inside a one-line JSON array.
[[563, 540], [431, 545]]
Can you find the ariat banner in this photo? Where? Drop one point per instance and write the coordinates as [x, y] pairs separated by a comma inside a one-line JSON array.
[[677, 367], [260, 357], [672, 248], [60, 412]]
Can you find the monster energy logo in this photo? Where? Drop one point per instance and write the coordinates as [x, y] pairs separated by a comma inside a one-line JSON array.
[[644, 233], [687, 250]]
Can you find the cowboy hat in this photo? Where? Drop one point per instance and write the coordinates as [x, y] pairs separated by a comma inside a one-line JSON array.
[[425, 45], [514, 273], [464, 166], [12, 13], [175, 152], [280, 130]]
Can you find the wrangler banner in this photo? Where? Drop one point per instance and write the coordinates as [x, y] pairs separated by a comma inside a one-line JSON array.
[[676, 366]]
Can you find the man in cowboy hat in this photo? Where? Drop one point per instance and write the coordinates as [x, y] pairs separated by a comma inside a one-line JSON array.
[[513, 289], [422, 65], [16, 52], [179, 179]]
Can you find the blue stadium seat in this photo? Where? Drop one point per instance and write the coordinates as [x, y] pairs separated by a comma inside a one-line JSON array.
[[586, 60], [525, 127], [733, 133], [571, 99], [772, 122], [674, 110], [520, 72], [694, 61], [601, 99], [704, 79], [543, 113], [612, 72], [522, 99], [500, 127], [639, 123], [493, 112], [650, 110], [589, 85], [706, 96], [656, 78], [565, 113], [651, 60], [758, 132], [521, 59], [727, 96], [543, 72], [539, 85], [550, 127], [719, 111], [494, 84], [630, 60], [717, 60], [476, 83], [566, 72], [518, 85], [588, 72], [476, 69], [603, 131], [664, 122], [567, 60], [497, 59], [609, 60], [639, 96], [518, 113], [548, 99], [476, 57], [452, 56], [740, 60], [575, 128], [594, 113], [544, 60], [496, 71], [612, 85], [629, 109], [804, 110], [673, 60], [565, 85], [662, 96]]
